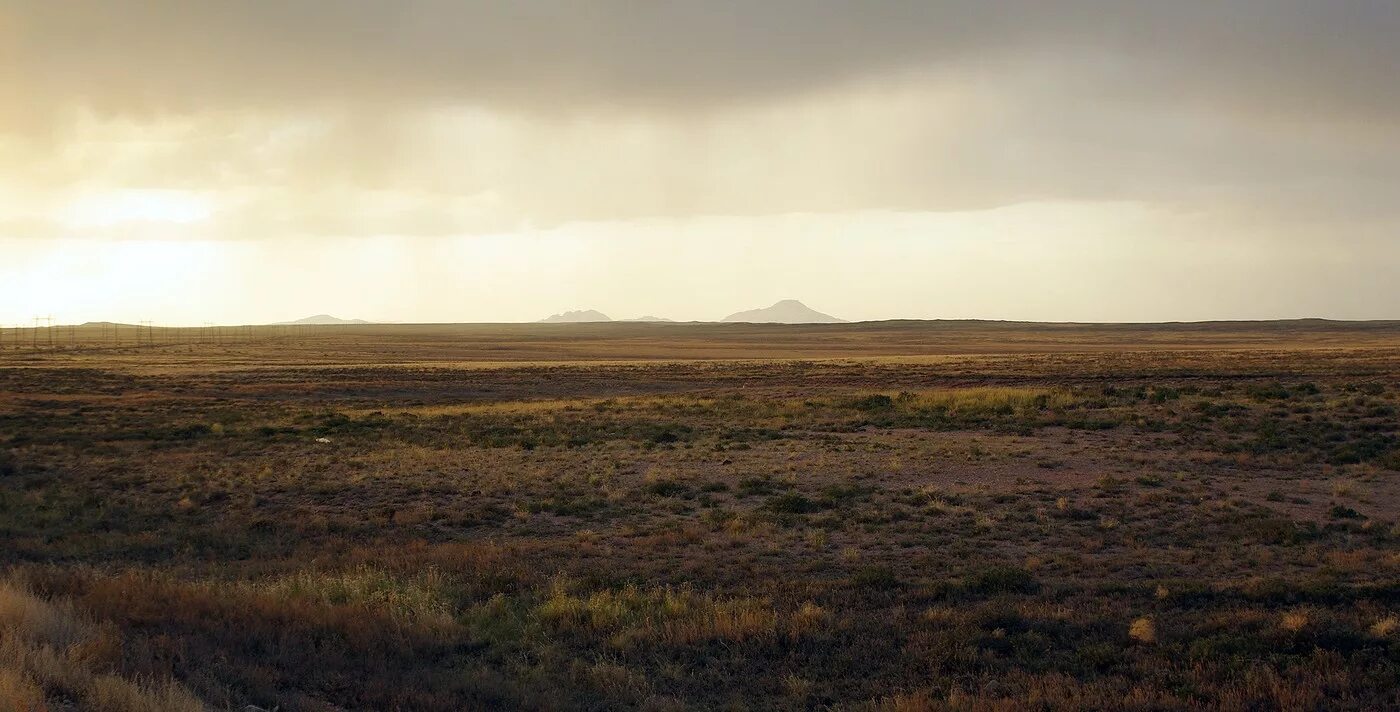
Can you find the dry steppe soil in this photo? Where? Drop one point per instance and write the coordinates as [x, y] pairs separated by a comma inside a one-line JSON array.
[[883, 516]]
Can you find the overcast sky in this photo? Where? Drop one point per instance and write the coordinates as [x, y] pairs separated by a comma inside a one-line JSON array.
[[188, 161]]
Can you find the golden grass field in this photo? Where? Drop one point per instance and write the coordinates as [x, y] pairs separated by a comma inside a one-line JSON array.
[[881, 516]]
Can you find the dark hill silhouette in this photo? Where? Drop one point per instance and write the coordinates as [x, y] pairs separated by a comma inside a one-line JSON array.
[[788, 311], [581, 316]]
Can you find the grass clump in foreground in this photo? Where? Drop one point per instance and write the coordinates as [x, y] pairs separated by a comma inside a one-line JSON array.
[[50, 652]]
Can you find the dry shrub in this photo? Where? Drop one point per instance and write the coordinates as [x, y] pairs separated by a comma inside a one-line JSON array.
[[26, 617], [797, 687], [807, 619], [906, 702], [661, 615], [258, 642], [1263, 687], [980, 400], [48, 649], [1385, 626], [1350, 561], [420, 599], [19, 693], [736, 619], [614, 679], [413, 515], [1294, 621], [1143, 630], [481, 568]]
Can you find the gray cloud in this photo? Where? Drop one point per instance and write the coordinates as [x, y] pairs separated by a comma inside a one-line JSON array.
[[180, 55], [438, 116]]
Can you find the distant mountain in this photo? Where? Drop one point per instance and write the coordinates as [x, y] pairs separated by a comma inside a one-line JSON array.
[[788, 311], [648, 318], [323, 319], [575, 317]]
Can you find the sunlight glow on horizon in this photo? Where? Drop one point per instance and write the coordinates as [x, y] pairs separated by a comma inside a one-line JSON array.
[[1037, 261], [113, 207]]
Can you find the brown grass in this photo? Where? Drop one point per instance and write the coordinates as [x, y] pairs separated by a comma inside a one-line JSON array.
[[47, 651]]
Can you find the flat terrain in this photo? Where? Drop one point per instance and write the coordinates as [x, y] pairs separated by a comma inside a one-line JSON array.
[[883, 516], [381, 344]]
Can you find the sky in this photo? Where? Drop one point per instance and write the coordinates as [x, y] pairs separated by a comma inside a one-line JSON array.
[[247, 161]]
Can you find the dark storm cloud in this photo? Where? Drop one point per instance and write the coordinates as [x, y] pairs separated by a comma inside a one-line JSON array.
[[444, 116], [180, 55]]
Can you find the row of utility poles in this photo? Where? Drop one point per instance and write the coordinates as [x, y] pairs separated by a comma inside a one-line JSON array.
[[44, 334]]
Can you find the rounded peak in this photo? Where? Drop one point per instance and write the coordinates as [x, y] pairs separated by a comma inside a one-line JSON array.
[[577, 315]]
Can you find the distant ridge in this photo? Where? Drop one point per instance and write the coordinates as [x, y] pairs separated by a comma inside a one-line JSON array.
[[581, 316], [788, 311], [648, 318], [322, 319]]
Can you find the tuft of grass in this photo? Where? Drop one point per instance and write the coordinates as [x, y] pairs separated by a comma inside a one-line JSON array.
[[995, 400], [423, 597], [20, 692], [1143, 630], [1384, 627], [1294, 621], [633, 616], [48, 653]]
